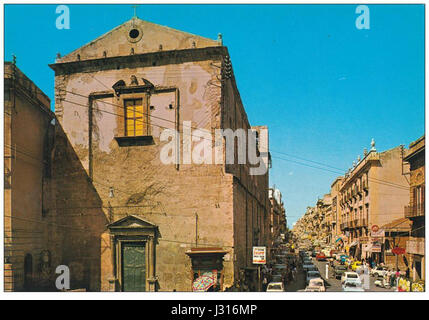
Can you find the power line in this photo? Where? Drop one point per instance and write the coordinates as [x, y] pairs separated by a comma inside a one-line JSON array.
[[386, 183], [89, 231], [337, 170]]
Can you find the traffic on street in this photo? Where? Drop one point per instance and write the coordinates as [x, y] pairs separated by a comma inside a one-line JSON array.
[[324, 270]]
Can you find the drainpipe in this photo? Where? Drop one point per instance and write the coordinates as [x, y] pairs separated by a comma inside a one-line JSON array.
[[90, 172], [177, 96]]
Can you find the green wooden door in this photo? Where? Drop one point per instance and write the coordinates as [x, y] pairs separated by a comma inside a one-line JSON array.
[[134, 267]]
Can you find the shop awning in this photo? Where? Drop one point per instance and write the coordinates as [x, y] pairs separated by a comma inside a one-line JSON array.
[[354, 243], [367, 247]]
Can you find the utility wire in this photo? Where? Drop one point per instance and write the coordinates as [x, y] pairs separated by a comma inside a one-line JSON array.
[[337, 170]]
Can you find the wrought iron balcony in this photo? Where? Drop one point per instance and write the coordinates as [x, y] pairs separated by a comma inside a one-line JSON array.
[[415, 210]]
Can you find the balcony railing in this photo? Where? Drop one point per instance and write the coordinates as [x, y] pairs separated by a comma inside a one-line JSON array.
[[362, 223], [414, 211]]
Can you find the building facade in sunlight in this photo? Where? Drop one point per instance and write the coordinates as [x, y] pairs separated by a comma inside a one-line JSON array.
[[166, 226]]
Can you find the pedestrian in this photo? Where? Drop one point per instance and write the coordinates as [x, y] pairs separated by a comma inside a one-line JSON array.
[[265, 283], [398, 273], [407, 273], [392, 279]]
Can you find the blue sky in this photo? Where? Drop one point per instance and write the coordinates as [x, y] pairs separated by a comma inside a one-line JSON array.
[[322, 86]]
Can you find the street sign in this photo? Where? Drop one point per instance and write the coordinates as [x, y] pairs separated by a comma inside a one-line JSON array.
[[398, 251], [259, 255], [377, 234], [375, 228], [376, 247]]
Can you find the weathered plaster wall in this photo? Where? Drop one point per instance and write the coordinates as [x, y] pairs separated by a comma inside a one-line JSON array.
[[27, 232], [142, 185]]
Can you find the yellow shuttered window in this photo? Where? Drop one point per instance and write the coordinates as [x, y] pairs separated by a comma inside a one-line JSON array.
[[135, 118]]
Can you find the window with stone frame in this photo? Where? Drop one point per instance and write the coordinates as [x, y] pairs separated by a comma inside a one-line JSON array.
[[136, 117]]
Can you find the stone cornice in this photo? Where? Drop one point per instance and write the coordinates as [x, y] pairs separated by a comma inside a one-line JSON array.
[[372, 157], [140, 60]]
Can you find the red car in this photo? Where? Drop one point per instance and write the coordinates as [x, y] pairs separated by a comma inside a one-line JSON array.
[[320, 256]]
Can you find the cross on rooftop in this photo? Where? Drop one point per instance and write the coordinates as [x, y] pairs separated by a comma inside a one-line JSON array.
[[135, 10]]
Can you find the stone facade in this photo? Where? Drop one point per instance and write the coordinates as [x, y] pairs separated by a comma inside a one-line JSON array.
[[335, 220], [415, 211], [277, 219], [179, 77], [28, 135], [373, 194]]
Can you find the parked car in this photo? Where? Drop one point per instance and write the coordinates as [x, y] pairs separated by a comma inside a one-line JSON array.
[[352, 286], [309, 267], [339, 270], [379, 272], [355, 265], [321, 257], [351, 277], [275, 287], [280, 268], [327, 252], [316, 285], [312, 274], [277, 278]]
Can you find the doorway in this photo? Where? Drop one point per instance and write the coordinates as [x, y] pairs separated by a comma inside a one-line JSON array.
[[134, 267], [28, 271]]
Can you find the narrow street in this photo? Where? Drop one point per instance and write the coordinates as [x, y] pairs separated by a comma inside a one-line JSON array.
[[331, 284]]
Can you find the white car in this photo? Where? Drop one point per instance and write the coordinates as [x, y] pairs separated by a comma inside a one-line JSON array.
[[350, 277], [312, 275], [353, 286], [275, 287], [316, 285], [379, 272]]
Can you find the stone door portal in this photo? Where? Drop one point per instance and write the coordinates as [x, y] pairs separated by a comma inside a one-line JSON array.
[[134, 267]]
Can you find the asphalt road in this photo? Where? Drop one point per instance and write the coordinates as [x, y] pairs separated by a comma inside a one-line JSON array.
[[331, 284]]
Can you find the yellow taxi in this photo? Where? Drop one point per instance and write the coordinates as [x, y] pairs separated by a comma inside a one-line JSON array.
[[356, 265]]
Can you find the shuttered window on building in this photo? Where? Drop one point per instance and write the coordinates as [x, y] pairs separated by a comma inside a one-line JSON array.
[[136, 118]]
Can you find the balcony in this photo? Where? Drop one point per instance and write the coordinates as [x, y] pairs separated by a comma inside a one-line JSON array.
[[362, 223], [414, 211], [416, 246]]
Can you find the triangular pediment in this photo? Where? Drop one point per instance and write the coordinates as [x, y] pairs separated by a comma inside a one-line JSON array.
[[132, 222], [137, 36]]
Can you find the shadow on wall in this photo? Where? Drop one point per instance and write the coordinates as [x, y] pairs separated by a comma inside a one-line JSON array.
[[79, 220]]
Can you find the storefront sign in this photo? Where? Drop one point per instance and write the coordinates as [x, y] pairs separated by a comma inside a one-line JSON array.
[[376, 247], [259, 255], [377, 234]]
